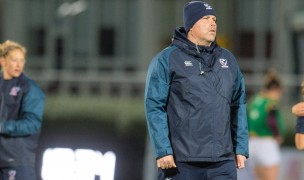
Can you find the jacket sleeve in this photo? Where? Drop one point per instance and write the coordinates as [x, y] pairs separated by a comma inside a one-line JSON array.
[[239, 117], [156, 94], [31, 111]]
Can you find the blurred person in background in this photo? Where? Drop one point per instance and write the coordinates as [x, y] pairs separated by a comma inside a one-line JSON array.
[[266, 128], [298, 110], [195, 103], [21, 111]]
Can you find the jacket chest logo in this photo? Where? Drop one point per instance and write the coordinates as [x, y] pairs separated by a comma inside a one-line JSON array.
[[14, 91], [188, 63], [223, 63]]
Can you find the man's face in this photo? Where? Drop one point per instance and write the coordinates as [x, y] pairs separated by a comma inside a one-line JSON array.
[[204, 30], [13, 64]]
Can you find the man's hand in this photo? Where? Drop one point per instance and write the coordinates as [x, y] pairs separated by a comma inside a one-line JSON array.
[[166, 162], [240, 161], [298, 109]]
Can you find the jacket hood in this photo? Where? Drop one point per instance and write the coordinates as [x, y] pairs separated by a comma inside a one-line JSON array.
[[180, 40]]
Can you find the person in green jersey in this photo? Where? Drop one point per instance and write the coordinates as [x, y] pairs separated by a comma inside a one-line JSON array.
[[266, 128]]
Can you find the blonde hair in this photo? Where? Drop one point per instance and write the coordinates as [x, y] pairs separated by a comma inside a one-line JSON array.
[[8, 46]]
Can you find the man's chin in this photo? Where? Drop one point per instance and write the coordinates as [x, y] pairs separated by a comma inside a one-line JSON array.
[[16, 75], [212, 39]]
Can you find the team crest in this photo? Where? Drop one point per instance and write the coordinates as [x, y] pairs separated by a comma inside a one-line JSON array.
[[224, 63], [14, 91]]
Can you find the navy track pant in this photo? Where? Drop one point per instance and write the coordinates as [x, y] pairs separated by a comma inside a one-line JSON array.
[[200, 171], [18, 173]]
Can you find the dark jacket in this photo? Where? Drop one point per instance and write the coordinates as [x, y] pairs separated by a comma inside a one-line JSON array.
[[21, 111], [195, 102]]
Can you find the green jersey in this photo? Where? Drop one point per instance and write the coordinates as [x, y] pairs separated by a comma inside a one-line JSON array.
[[264, 117]]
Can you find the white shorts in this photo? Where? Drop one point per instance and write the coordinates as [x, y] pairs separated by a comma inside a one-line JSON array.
[[264, 152]]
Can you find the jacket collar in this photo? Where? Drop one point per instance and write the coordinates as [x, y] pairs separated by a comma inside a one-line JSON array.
[[180, 40]]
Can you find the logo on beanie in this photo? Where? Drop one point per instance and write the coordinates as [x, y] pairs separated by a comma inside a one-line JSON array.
[[207, 6]]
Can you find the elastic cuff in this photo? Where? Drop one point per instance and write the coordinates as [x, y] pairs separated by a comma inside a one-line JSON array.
[[163, 153]]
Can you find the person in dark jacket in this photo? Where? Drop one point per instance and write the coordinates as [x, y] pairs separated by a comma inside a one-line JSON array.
[[298, 110], [21, 111], [195, 103]]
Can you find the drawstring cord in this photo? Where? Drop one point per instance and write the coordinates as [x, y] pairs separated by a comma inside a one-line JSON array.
[[200, 63]]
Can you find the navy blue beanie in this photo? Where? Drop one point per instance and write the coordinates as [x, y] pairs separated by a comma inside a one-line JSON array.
[[194, 11]]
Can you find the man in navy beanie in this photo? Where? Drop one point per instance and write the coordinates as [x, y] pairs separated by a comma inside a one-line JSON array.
[[195, 103]]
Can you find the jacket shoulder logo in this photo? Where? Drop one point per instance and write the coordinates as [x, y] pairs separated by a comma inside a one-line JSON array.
[[188, 63], [14, 91], [224, 63]]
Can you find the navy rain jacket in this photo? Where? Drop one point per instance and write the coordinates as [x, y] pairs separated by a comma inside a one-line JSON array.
[[195, 102], [21, 111]]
